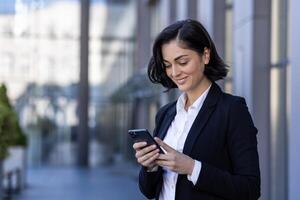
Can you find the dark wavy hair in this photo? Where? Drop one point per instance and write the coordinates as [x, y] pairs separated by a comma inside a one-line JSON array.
[[192, 35]]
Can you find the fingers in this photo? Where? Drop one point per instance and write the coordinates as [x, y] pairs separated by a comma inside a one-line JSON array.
[[145, 157], [166, 157], [176, 162], [151, 157], [166, 163], [142, 151], [139, 145], [164, 145]]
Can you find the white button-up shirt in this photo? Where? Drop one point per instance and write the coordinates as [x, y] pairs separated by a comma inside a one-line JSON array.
[[175, 137]]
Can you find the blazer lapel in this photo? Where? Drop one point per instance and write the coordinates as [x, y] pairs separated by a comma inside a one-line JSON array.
[[202, 117], [170, 115]]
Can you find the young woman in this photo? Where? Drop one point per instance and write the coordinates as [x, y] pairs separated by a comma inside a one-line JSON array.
[[208, 136]]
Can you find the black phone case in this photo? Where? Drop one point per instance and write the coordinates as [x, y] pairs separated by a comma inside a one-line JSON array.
[[143, 135]]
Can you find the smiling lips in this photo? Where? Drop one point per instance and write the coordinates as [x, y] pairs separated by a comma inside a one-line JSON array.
[[181, 81]]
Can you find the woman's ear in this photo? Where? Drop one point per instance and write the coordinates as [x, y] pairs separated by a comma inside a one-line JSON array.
[[206, 55]]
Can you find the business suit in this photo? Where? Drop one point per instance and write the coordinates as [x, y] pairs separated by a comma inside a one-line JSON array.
[[223, 138]]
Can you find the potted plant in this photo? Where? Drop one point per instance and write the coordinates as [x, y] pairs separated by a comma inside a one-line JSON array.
[[12, 140], [5, 139]]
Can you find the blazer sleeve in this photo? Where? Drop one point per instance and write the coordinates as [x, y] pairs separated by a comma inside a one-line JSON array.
[[244, 180], [149, 182]]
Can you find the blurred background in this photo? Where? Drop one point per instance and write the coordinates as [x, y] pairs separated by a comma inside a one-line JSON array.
[[73, 76]]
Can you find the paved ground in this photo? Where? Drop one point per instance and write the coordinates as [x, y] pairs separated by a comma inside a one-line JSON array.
[[105, 183]]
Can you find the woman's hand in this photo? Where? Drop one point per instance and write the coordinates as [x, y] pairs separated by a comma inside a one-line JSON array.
[[146, 155], [174, 160]]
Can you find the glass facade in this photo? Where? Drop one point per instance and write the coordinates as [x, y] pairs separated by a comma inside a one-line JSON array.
[[39, 54], [39, 57]]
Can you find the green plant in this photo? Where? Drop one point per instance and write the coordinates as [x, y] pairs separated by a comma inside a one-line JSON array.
[[10, 130], [5, 136]]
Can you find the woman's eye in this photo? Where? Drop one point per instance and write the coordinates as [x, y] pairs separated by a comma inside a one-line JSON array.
[[167, 66], [182, 63]]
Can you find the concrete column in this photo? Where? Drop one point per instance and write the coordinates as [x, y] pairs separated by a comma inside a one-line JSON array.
[[173, 11], [251, 77], [169, 7], [181, 6], [205, 14], [169, 12], [211, 13], [83, 94], [143, 40], [192, 9], [218, 26], [143, 53], [278, 97], [219, 29], [294, 101]]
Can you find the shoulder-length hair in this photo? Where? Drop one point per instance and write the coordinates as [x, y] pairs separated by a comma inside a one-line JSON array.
[[192, 35]]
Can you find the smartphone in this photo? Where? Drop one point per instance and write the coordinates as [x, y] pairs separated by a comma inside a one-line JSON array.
[[143, 135]]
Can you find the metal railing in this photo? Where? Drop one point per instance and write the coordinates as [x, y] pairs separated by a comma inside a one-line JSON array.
[[12, 183]]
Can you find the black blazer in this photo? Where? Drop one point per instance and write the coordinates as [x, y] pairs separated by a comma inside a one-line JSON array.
[[223, 138]]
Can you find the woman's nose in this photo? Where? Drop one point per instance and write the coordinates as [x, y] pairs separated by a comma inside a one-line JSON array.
[[175, 71]]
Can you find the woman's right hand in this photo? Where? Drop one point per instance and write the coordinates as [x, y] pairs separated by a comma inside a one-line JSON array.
[[146, 155]]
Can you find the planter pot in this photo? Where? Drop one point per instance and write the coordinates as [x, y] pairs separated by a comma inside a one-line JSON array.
[[16, 160]]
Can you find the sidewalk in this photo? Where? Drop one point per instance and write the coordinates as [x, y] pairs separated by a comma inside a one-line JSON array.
[[104, 183]]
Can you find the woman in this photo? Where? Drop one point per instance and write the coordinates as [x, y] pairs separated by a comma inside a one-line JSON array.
[[208, 136]]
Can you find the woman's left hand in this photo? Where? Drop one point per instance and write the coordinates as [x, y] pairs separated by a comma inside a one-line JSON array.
[[174, 160]]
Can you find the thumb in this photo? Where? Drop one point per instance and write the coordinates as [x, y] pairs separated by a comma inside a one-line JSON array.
[[161, 143]]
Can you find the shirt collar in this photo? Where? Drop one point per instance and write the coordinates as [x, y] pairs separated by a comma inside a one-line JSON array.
[[196, 105]]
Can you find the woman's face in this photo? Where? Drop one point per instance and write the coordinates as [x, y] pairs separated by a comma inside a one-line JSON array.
[[184, 66]]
